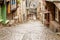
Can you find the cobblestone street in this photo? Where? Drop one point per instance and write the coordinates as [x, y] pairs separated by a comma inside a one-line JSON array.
[[32, 30]]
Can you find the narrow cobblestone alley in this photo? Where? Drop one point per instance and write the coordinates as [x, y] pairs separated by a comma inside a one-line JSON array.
[[32, 30], [29, 19]]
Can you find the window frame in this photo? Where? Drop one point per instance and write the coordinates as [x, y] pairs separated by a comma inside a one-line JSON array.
[[56, 14]]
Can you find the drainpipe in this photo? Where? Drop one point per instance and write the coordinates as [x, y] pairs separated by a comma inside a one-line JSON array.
[[3, 11], [0, 15]]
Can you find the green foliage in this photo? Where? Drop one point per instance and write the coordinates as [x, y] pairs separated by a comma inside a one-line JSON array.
[[18, 1]]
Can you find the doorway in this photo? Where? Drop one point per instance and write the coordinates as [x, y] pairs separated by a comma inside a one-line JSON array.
[[50, 7]]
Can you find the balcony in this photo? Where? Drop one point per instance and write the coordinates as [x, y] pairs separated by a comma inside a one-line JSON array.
[[1, 1]]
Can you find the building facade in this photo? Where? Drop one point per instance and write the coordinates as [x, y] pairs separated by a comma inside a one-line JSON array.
[[53, 16], [48, 12]]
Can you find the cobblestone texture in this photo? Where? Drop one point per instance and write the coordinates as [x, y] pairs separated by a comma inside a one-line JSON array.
[[28, 31]]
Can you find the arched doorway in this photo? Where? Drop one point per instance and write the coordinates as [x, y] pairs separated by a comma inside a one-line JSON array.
[[32, 15], [49, 16]]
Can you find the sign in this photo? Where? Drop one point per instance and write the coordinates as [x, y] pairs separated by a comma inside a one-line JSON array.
[[13, 4]]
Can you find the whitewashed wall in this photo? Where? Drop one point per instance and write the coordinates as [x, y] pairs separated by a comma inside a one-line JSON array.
[[23, 10]]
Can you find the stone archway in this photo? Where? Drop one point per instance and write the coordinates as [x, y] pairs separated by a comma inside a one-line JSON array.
[[32, 14]]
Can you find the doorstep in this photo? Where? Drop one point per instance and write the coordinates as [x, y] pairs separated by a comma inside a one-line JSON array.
[[5, 22], [54, 26], [58, 33]]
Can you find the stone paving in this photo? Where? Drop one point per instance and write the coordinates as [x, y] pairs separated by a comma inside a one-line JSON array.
[[32, 30]]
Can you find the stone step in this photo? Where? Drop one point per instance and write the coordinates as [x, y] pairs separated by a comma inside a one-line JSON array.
[[58, 33]]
